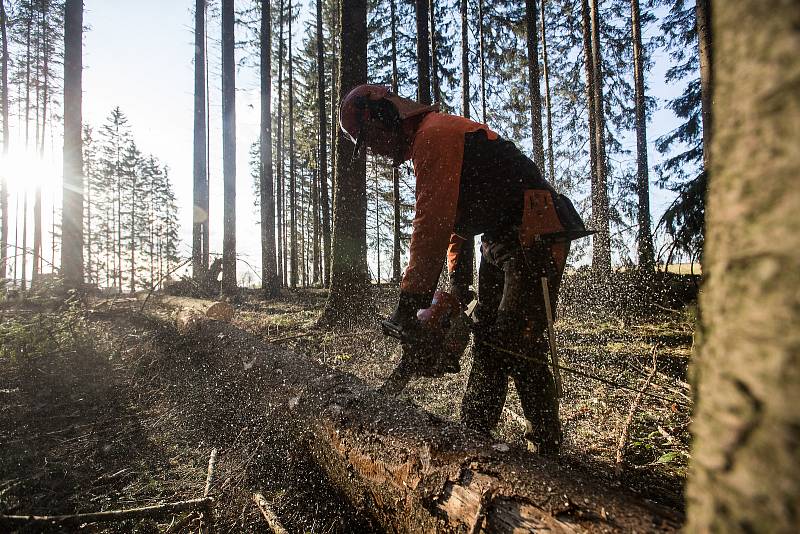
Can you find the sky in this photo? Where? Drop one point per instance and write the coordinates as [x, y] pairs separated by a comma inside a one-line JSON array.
[[138, 56]]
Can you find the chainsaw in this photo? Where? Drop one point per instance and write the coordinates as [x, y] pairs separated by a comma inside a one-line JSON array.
[[433, 347]]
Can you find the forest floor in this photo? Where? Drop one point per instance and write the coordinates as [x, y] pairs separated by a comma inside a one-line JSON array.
[[107, 409]]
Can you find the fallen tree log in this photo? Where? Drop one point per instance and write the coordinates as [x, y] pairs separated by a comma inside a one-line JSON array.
[[414, 472], [188, 306]]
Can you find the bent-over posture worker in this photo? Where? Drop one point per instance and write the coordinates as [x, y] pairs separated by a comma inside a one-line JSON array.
[[470, 181]]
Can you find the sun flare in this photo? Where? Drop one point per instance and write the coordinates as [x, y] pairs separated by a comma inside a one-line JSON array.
[[26, 171]]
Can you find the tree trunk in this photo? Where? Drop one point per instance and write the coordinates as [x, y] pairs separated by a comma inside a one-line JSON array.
[[72, 211], [396, 248], [293, 265], [25, 240], [349, 273], [548, 104], [269, 269], [464, 58], [745, 475], [423, 53], [644, 236], [703, 11], [37, 202], [601, 251], [336, 20], [586, 27], [413, 472], [228, 149], [323, 148], [205, 198], [437, 97], [281, 244], [532, 41], [200, 172], [482, 61], [4, 211]]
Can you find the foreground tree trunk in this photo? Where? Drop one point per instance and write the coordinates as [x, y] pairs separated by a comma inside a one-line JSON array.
[[228, 149], [269, 266], [644, 236], [745, 474], [72, 211], [411, 471], [349, 273], [200, 170]]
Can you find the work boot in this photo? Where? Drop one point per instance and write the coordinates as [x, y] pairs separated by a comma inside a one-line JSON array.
[[544, 437], [537, 393]]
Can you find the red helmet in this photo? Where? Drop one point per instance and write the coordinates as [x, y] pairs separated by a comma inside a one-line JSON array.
[[354, 111]]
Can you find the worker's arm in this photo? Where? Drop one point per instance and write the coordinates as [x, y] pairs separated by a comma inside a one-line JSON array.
[[460, 256], [437, 155]]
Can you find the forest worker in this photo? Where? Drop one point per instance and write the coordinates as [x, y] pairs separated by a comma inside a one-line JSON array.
[[470, 181]]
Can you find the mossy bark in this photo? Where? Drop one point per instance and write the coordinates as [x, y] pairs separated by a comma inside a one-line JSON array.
[[746, 455]]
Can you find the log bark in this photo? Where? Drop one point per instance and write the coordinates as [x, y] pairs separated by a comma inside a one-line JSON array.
[[209, 309], [414, 472]]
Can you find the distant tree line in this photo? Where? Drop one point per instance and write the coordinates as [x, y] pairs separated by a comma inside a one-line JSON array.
[[130, 212]]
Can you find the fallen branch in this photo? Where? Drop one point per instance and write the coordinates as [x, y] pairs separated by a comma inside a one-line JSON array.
[[270, 517], [625, 433], [208, 513], [212, 463], [157, 510]]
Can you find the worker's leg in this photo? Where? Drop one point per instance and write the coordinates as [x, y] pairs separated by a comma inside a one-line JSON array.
[[488, 380], [532, 375]]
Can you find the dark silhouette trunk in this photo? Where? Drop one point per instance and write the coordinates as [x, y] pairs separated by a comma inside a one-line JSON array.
[[228, 149], [292, 172], [200, 171], [269, 268], [336, 20], [396, 248], [464, 59], [41, 126], [349, 273], [532, 41], [482, 61], [703, 12], [586, 27], [745, 476], [644, 235], [548, 104], [72, 211], [323, 150], [281, 241], [436, 94], [4, 211], [601, 251], [423, 53]]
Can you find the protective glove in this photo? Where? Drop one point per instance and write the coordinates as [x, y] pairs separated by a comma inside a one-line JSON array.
[[405, 314]]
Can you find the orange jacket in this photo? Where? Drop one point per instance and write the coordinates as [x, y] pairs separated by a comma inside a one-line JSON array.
[[437, 153]]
